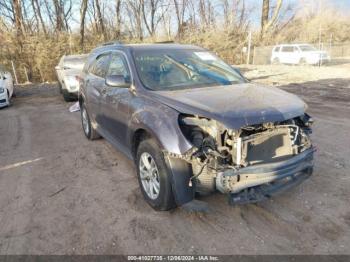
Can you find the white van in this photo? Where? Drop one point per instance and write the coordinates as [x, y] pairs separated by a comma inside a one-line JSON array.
[[298, 54]]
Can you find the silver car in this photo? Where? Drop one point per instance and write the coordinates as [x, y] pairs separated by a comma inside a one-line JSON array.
[[68, 70]]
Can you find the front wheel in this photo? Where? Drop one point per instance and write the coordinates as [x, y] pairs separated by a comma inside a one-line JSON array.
[[60, 87], [153, 176], [8, 98]]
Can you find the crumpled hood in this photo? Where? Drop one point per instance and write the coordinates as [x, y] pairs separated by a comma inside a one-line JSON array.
[[235, 106]]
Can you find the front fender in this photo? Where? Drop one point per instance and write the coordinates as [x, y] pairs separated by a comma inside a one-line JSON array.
[[162, 123]]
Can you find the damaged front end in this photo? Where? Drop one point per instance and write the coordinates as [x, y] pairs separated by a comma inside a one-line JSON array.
[[249, 164]]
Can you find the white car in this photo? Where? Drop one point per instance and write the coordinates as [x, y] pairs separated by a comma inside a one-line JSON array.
[[298, 54], [68, 69], [6, 87]]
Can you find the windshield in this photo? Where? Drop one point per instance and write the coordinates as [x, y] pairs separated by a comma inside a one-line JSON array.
[[307, 48], [75, 62], [174, 69]]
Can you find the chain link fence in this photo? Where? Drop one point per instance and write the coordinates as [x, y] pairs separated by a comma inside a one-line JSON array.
[[40, 58], [339, 53]]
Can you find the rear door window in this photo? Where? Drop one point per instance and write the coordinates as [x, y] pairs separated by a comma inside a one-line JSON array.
[[288, 49]]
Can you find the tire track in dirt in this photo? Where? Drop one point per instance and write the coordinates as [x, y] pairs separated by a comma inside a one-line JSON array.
[[18, 144]]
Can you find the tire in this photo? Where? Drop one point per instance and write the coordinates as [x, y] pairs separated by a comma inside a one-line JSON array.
[[276, 61], [88, 130], [8, 98], [67, 96], [60, 87], [302, 61], [148, 150]]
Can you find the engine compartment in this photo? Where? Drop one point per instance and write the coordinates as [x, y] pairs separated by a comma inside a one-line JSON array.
[[219, 153]]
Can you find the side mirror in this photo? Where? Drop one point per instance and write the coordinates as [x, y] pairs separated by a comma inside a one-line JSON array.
[[117, 81]]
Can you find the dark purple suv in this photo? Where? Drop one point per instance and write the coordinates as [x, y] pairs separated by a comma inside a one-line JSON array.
[[194, 125]]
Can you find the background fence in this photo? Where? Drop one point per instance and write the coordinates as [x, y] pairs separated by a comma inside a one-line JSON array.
[[47, 56], [261, 54]]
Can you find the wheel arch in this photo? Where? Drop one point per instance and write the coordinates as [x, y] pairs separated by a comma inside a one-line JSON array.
[[162, 125], [138, 136]]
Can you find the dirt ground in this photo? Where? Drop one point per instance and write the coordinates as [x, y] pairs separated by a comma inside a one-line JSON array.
[[62, 194]]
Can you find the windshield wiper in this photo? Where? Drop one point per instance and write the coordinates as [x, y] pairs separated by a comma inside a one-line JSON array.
[[182, 66], [190, 72]]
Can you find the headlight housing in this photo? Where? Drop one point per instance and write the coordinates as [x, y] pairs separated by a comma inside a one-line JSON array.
[[71, 81], [2, 90], [197, 129]]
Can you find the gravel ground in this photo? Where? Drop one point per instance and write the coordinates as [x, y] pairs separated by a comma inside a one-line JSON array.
[[62, 194]]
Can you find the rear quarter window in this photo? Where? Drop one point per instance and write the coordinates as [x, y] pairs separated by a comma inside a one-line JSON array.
[[99, 66], [288, 49], [276, 49]]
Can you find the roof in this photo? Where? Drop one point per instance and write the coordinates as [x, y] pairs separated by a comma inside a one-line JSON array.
[[152, 46], [160, 46], [292, 44]]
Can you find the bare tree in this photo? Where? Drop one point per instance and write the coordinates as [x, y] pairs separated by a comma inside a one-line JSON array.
[[38, 15], [18, 18], [134, 8], [83, 9], [152, 11], [180, 9], [266, 21], [206, 13], [59, 15], [100, 22], [118, 7], [6, 10]]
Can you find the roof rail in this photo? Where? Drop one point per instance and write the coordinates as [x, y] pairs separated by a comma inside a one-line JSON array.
[[112, 43], [165, 42]]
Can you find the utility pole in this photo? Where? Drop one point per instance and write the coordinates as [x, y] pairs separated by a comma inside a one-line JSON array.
[[14, 72], [249, 46]]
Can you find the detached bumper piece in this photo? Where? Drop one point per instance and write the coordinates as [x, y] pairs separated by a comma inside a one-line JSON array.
[[287, 174]]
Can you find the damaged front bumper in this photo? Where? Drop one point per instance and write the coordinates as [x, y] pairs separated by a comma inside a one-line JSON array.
[[259, 182]]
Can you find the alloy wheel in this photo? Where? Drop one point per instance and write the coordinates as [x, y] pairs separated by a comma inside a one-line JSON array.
[[149, 175]]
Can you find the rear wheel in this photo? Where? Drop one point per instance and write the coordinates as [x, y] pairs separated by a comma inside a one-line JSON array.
[[88, 129], [276, 61], [302, 61], [153, 176]]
